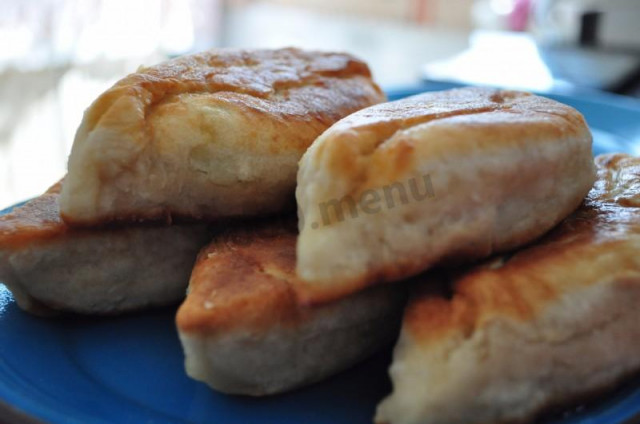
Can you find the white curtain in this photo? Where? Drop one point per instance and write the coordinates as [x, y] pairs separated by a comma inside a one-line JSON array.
[[56, 56]]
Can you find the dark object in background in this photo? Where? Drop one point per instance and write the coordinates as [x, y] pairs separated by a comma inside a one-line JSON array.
[[574, 47], [591, 44], [589, 29]]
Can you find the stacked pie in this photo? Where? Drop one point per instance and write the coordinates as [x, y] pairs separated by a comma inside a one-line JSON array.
[[471, 226]]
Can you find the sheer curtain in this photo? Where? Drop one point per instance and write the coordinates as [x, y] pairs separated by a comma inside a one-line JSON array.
[[56, 56]]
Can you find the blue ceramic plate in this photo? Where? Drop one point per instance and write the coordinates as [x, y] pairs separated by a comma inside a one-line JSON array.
[[129, 369]]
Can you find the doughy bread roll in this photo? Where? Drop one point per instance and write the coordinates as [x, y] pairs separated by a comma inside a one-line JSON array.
[[51, 268], [556, 321], [209, 135], [243, 331], [398, 187]]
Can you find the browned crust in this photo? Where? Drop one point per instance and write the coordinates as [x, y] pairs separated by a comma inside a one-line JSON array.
[[35, 220], [380, 160], [39, 220], [244, 279], [595, 246], [371, 148], [301, 93], [259, 73], [521, 284]]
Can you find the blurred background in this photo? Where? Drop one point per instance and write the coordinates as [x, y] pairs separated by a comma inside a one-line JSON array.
[[56, 56]]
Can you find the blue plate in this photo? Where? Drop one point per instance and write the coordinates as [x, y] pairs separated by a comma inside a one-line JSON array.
[[130, 370]]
